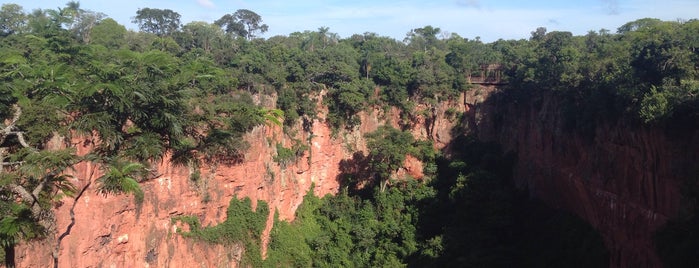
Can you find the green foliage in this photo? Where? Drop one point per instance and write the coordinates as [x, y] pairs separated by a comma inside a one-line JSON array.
[[349, 231], [18, 224], [187, 90], [12, 19], [201, 35], [469, 215], [158, 21], [243, 227], [654, 106], [122, 177], [109, 33], [286, 156], [191, 221], [296, 103], [39, 134], [244, 23], [387, 150], [345, 103], [432, 78], [646, 72], [288, 247], [495, 224], [225, 119]]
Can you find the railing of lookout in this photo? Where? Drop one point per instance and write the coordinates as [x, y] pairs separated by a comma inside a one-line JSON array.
[[490, 74]]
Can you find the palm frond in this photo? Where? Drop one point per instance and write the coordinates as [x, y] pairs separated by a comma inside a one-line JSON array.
[[120, 177], [274, 116], [129, 185]]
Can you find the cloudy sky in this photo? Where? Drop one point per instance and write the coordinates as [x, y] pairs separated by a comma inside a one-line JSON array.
[[487, 19]]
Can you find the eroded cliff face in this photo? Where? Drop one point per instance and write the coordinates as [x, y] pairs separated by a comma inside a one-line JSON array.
[[622, 179], [114, 231]]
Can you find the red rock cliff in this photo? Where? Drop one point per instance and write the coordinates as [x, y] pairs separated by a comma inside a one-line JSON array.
[[113, 231], [623, 180], [620, 178]]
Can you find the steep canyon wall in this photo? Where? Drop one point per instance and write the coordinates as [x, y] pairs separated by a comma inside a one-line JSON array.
[[115, 231], [623, 179]]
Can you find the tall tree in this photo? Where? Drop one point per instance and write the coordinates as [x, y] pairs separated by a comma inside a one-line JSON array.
[[387, 150], [83, 21], [244, 23], [109, 33], [12, 19], [423, 38], [200, 34], [162, 22]]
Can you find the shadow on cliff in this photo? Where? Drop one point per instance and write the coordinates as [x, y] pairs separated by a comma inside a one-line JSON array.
[[356, 176], [677, 242], [588, 152], [483, 220]]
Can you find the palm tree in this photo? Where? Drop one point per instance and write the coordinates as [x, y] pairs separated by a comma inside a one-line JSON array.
[[122, 177]]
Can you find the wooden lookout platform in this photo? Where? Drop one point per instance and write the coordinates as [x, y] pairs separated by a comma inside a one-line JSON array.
[[491, 74]]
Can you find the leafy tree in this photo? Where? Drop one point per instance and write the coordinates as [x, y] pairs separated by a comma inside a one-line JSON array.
[[431, 77], [319, 39], [230, 24], [12, 19], [33, 172], [108, 33], [638, 25], [423, 38], [79, 21], [162, 22], [30, 178], [244, 23], [201, 35], [346, 102], [558, 61], [41, 23], [333, 65], [387, 150], [467, 57], [85, 22]]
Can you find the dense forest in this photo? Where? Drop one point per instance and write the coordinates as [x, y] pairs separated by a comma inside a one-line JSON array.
[[468, 215], [188, 90]]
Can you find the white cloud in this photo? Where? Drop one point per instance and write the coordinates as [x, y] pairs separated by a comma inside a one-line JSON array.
[[206, 3]]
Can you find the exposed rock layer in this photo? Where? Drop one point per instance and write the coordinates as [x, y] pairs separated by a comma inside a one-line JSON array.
[[621, 178], [113, 231]]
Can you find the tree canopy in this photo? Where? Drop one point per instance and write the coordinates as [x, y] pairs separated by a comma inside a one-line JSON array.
[[244, 23], [162, 22], [188, 90]]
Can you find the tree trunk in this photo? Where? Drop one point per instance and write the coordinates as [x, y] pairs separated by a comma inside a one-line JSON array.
[[9, 256]]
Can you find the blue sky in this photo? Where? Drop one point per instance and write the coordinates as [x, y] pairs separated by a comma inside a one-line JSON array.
[[487, 19]]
